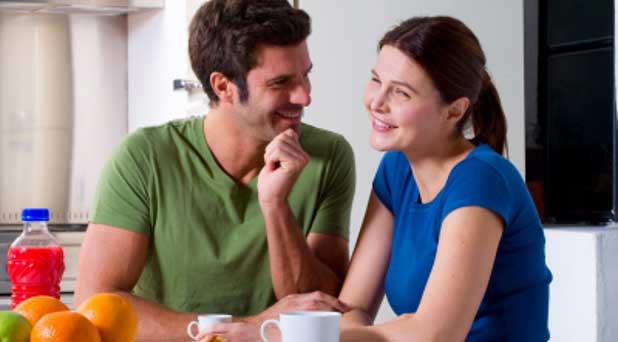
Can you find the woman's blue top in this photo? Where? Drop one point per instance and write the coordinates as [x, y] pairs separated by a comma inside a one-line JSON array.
[[515, 304]]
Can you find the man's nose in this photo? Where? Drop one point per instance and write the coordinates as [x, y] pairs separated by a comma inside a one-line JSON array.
[[301, 94]]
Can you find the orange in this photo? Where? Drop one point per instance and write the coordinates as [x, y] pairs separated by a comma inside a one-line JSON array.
[[64, 326], [113, 315], [36, 307]]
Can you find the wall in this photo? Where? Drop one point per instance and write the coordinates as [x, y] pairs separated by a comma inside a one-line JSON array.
[[584, 293], [344, 52]]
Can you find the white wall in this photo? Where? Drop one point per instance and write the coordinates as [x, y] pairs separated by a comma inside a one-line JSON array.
[[343, 48]]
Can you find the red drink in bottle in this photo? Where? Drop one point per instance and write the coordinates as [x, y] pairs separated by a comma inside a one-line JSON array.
[[35, 260], [34, 271]]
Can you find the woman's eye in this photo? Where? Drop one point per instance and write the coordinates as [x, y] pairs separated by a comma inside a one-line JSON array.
[[402, 93], [375, 80]]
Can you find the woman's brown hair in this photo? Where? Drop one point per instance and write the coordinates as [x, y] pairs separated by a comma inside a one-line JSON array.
[[451, 55]]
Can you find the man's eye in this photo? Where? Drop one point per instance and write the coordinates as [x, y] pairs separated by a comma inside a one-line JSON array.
[[278, 83]]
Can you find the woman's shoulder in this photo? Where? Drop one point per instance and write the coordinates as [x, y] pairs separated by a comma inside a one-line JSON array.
[[394, 165], [485, 162]]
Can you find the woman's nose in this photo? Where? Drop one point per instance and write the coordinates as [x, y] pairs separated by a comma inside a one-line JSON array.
[[377, 102]]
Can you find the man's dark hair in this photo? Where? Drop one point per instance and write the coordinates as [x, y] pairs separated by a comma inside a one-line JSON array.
[[224, 36]]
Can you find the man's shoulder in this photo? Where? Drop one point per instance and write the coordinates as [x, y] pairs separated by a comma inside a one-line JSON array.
[[160, 135], [316, 140]]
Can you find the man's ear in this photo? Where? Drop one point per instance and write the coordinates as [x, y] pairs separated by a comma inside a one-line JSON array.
[[223, 87], [457, 109]]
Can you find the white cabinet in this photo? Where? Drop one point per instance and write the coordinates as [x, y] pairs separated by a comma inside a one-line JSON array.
[[157, 55]]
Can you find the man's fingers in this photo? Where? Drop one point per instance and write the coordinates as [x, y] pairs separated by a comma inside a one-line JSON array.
[[214, 338], [291, 133], [285, 153], [332, 301], [322, 301], [284, 138]]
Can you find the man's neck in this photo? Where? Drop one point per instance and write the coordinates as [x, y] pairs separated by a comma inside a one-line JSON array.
[[238, 154]]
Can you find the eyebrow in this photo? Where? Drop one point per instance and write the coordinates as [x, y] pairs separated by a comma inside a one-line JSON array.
[[285, 77], [399, 83]]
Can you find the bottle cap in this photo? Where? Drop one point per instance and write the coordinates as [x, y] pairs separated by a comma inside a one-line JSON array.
[[35, 214]]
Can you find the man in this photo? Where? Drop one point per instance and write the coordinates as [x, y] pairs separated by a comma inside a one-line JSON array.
[[236, 211]]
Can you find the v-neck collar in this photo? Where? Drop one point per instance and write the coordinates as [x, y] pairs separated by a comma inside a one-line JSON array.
[[218, 174]]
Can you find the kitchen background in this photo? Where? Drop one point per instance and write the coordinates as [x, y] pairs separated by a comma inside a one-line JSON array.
[[72, 85]]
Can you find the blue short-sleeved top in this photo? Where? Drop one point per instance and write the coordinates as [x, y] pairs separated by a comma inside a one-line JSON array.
[[515, 305]]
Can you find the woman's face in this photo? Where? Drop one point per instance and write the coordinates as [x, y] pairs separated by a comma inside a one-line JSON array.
[[405, 109]]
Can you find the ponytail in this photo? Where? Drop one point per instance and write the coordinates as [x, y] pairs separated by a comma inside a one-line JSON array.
[[488, 119]]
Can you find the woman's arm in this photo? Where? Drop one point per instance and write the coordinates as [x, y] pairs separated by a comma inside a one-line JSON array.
[[363, 288], [466, 252]]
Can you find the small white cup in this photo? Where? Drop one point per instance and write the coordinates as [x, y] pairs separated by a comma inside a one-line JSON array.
[[306, 326], [205, 321]]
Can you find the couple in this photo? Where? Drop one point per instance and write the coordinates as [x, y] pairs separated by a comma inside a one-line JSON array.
[[246, 211]]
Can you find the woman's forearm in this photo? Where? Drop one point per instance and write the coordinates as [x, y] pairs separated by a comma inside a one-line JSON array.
[[403, 328]]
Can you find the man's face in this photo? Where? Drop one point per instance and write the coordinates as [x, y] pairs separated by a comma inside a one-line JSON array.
[[279, 89]]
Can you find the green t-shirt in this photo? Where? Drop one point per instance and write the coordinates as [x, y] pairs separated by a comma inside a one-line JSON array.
[[208, 250]]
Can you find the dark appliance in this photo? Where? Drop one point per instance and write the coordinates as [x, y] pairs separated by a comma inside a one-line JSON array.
[[571, 131]]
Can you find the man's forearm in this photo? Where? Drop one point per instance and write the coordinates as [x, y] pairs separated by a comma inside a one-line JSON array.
[[355, 318], [293, 267], [157, 323]]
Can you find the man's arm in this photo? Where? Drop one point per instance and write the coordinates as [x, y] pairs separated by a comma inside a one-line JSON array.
[[297, 264], [300, 265], [111, 260]]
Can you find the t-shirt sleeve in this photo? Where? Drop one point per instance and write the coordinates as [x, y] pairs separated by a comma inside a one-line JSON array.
[[334, 209], [477, 183], [121, 198], [384, 181]]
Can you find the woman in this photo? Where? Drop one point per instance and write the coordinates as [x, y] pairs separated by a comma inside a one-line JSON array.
[[450, 234]]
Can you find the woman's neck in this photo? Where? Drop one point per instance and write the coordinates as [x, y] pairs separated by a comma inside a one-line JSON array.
[[431, 168]]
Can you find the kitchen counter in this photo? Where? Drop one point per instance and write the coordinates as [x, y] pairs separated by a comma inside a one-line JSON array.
[[66, 298]]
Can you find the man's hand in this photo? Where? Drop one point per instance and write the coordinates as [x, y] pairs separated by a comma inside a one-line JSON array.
[[231, 332], [284, 159], [298, 302], [248, 330]]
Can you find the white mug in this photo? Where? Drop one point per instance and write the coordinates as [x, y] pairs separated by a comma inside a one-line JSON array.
[[205, 321], [306, 326]]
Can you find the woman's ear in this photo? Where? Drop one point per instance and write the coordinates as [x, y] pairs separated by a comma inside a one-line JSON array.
[[457, 109], [223, 87]]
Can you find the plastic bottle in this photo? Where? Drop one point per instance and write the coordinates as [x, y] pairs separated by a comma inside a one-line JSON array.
[[35, 260]]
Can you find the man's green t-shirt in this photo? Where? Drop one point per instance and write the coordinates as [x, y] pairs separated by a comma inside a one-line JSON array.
[[208, 250]]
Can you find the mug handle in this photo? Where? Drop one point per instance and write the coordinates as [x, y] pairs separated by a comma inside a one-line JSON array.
[[265, 324], [190, 329]]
